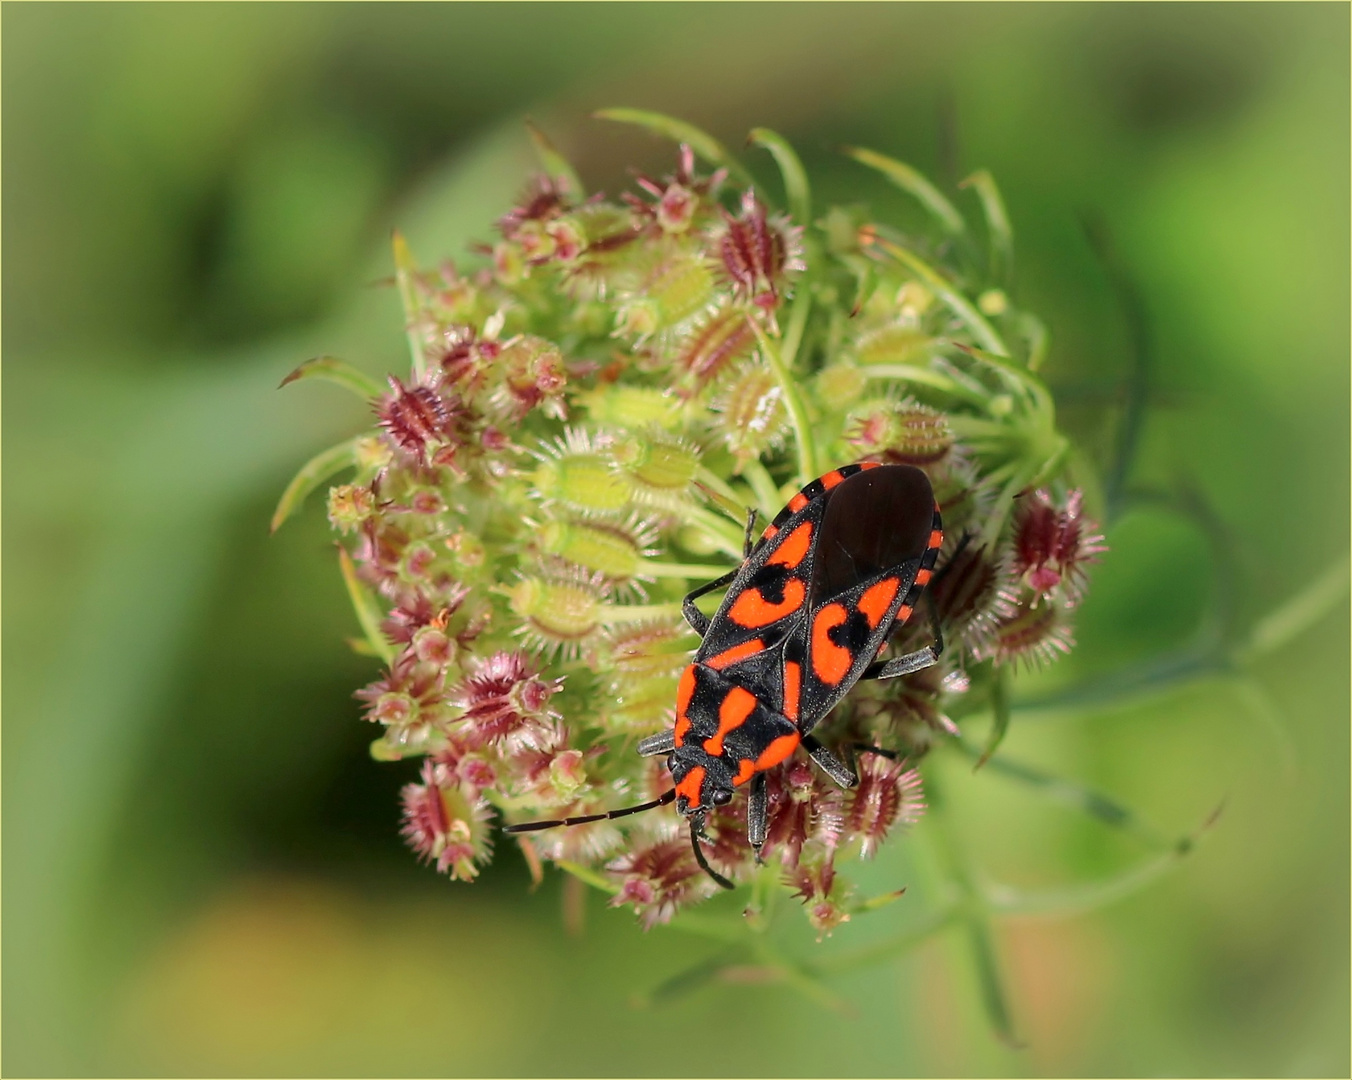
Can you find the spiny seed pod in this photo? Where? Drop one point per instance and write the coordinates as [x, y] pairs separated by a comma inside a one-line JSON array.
[[889, 793], [758, 254], [631, 407], [895, 344], [613, 549], [900, 433], [644, 660], [1052, 546], [752, 414], [414, 417], [443, 826], [574, 473], [839, 386], [659, 466], [350, 507], [724, 339], [532, 376], [1033, 635], [974, 594], [670, 289], [658, 879], [556, 616]]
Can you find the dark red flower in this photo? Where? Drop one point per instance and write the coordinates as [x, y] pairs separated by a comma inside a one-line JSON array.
[[1052, 545]]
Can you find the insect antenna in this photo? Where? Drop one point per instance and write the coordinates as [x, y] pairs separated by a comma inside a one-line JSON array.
[[536, 826], [703, 862]]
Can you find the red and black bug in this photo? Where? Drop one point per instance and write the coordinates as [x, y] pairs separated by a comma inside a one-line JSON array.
[[805, 615]]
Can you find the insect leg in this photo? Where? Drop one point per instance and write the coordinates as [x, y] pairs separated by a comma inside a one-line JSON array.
[[664, 742], [693, 615], [757, 815], [916, 661], [703, 862], [747, 542], [840, 771]]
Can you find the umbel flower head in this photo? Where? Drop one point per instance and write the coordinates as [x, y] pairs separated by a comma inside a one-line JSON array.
[[595, 399]]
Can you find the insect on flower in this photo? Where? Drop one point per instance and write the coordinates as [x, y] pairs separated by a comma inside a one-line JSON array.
[[814, 601]]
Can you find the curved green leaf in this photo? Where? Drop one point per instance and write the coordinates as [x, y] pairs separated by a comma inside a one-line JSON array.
[[313, 473], [364, 604], [703, 144], [796, 186], [997, 224], [557, 167], [331, 369], [913, 183]]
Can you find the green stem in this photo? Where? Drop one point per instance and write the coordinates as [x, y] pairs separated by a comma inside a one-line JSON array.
[[763, 487], [807, 447], [687, 571], [957, 303]]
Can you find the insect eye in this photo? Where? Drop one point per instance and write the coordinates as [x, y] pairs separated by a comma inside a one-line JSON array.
[[721, 797]]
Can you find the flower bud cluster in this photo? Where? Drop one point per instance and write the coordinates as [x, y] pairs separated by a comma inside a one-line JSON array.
[[588, 407]]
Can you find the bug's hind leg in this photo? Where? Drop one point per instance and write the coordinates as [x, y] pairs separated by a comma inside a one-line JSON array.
[[757, 815], [696, 618], [916, 661], [842, 770]]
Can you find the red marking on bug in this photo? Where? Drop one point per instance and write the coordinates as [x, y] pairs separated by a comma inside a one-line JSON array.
[[922, 576], [936, 538], [793, 685], [771, 531], [745, 772], [877, 599], [830, 662], [797, 503], [865, 465], [794, 549], [737, 652], [831, 479], [732, 713], [777, 751], [691, 787], [685, 690], [903, 613], [753, 611]]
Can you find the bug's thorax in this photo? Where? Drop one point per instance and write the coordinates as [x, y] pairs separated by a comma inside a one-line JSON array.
[[724, 735]]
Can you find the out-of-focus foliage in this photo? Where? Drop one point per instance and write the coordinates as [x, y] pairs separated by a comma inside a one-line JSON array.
[[198, 878]]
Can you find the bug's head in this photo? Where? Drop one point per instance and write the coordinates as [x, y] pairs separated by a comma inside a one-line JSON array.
[[703, 781]]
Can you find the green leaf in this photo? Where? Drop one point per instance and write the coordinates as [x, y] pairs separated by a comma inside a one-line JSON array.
[[331, 369], [992, 985], [588, 876], [364, 604], [913, 183], [791, 169], [703, 144], [1000, 707], [945, 291], [404, 270], [1090, 896], [556, 166], [997, 224], [1072, 794], [1299, 613], [313, 473]]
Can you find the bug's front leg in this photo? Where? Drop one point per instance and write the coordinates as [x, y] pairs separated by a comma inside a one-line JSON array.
[[696, 618], [664, 742], [757, 815]]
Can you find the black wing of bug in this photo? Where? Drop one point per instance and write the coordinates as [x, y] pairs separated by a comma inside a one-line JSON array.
[[765, 606], [879, 536]]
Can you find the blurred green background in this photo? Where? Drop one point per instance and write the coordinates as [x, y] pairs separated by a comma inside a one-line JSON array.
[[202, 873]]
